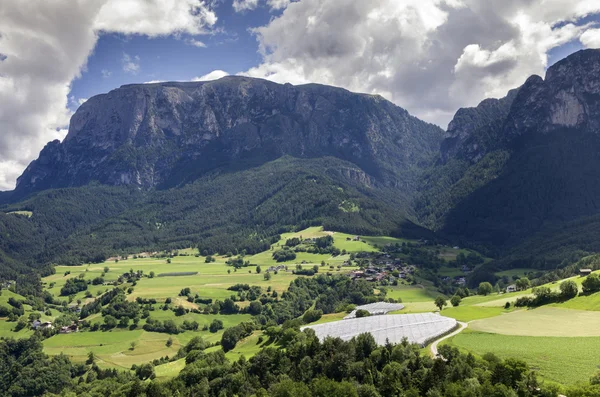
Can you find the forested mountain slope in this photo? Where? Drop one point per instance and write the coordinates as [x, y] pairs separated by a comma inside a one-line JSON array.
[[506, 176], [224, 165]]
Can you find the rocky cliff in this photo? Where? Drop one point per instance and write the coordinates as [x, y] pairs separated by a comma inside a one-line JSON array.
[[516, 167], [162, 135]]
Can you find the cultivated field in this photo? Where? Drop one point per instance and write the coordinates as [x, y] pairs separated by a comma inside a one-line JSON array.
[[566, 360]]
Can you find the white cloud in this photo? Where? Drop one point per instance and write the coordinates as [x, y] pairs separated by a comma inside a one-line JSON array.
[[244, 5], [154, 17], [130, 64], [428, 56], [591, 38], [106, 73], [46, 45], [214, 75], [196, 43], [278, 4]]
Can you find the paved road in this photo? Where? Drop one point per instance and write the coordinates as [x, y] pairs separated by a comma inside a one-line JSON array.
[[434, 345]]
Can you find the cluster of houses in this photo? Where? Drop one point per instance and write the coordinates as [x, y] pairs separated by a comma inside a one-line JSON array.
[[7, 284], [277, 268], [38, 325], [461, 281], [382, 269]]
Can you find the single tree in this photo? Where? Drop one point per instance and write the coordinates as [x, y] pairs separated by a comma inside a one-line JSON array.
[[523, 283], [455, 300], [568, 289], [440, 302], [485, 288], [258, 269]]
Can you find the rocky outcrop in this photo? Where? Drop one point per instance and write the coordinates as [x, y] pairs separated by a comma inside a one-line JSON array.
[[470, 126], [165, 134], [568, 97]]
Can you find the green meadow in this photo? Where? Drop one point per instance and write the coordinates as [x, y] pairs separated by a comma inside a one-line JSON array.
[[566, 360], [209, 280]]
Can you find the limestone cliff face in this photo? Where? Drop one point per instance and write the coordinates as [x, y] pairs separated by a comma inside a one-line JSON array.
[[165, 134], [569, 97]]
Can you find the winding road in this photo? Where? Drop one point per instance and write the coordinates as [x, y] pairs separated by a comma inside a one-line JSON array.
[[434, 345]]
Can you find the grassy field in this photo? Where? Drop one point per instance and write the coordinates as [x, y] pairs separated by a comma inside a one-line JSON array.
[[410, 293], [169, 370], [247, 347], [565, 360], [543, 321], [210, 280], [471, 313], [591, 302]]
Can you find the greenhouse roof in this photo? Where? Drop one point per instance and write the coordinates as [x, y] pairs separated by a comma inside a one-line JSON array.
[[417, 328]]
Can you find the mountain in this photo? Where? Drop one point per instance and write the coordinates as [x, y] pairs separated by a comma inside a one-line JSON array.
[[168, 134], [225, 165], [525, 166]]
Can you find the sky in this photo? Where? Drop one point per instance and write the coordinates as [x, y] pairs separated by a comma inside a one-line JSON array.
[[430, 57]]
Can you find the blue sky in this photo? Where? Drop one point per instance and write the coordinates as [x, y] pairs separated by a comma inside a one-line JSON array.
[[231, 47], [430, 57]]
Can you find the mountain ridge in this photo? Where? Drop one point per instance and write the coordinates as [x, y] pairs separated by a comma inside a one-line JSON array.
[[144, 134]]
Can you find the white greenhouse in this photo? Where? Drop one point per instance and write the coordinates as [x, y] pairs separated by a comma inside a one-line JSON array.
[[377, 308], [419, 328]]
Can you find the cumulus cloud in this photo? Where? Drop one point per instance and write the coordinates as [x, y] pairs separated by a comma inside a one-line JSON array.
[[196, 43], [214, 75], [244, 5], [428, 56], [591, 38], [46, 44], [130, 64], [278, 4]]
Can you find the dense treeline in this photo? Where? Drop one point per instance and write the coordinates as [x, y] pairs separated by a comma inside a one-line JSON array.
[[243, 211], [306, 367]]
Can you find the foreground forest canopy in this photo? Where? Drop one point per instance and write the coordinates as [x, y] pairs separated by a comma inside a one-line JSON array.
[[306, 367]]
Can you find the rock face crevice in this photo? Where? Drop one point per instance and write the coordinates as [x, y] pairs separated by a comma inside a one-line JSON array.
[[164, 134]]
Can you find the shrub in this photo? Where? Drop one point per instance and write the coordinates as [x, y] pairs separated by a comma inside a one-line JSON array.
[[591, 284], [568, 290], [362, 313], [215, 325], [312, 315]]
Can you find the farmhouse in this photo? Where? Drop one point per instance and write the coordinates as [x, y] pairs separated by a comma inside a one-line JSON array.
[[511, 288], [44, 325], [585, 272], [69, 329]]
